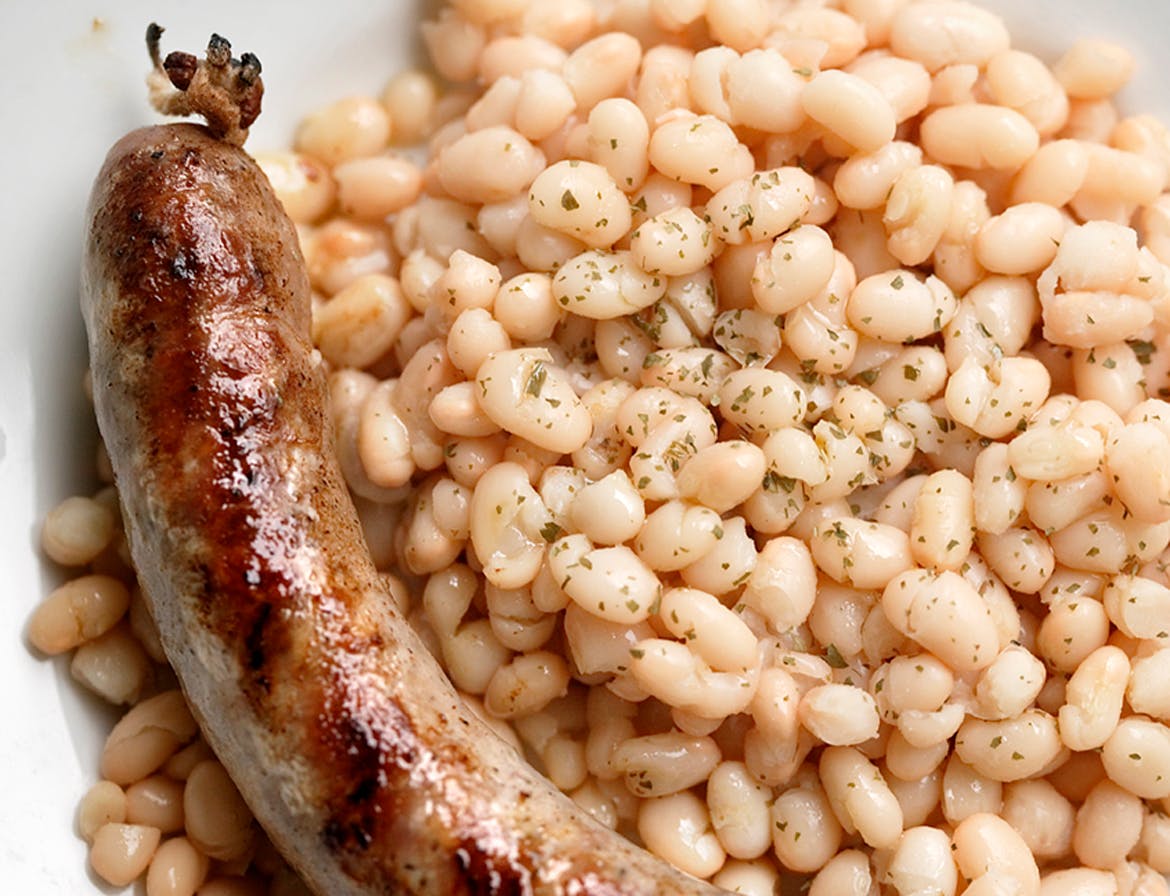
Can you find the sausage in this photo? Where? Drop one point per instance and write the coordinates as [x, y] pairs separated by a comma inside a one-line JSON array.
[[342, 733]]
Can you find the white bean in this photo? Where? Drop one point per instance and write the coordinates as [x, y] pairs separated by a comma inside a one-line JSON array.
[[1093, 699], [945, 614], [740, 810], [524, 393], [860, 797]]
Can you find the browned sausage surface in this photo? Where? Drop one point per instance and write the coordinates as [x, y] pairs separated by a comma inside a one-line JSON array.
[[339, 728]]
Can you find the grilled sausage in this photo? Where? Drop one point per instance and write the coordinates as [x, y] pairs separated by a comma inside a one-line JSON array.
[[340, 730]]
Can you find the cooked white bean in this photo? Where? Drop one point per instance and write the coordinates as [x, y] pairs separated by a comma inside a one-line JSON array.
[[918, 212], [1146, 690], [761, 400], [114, 666], [910, 764], [909, 683], [699, 150], [382, 440], [676, 675], [662, 764], [80, 610], [1138, 606], [218, 821], [1022, 240], [411, 97], [729, 564], [619, 140], [864, 180], [851, 108], [966, 792], [301, 183], [1023, 82], [77, 530], [428, 370], [974, 35], [861, 553], [897, 306], [517, 622], [723, 475], [922, 864], [582, 200], [994, 320], [674, 242], [945, 614], [526, 685], [604, 285], [678, 829], [1108, 826], [1075, 626], [1155, 840], [998, 493], [524, 393], [713, 631], [600, 68], [860, 797], [103, 803], [1050, 453], [610, 510], [1138, 879], [1011, 749], [1054, 174], [782, 587], [758, 878], [762, 207], [598, 645], [798, 267], [1041, 815], [839, 714], [1078, 882], [508, 526], [943, 525], [177, 868], [740, 810], [1093, 699], [1021, 557], [763, 91], [610, 582], [1093, 68], [514, 56], [360, 324], [489, 165], [454, 45], [348, 129], [146, 737], [805, 831], [1056, 504], [1138, 461], [1010, 684], [975, 135], [987, 845], [373, 188], [676, 534], [121, 852], [692, 370]]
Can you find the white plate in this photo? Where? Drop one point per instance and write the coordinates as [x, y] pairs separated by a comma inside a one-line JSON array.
[[72, 82]]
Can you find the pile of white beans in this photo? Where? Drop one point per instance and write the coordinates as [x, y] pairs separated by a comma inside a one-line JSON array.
[[760, 408]]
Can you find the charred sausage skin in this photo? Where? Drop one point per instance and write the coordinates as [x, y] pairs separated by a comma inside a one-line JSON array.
[[341, 731]]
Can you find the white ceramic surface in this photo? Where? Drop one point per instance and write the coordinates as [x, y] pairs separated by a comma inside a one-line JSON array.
[[71, 81]]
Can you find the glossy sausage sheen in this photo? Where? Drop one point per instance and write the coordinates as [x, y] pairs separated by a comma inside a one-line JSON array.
[[339, 728]]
